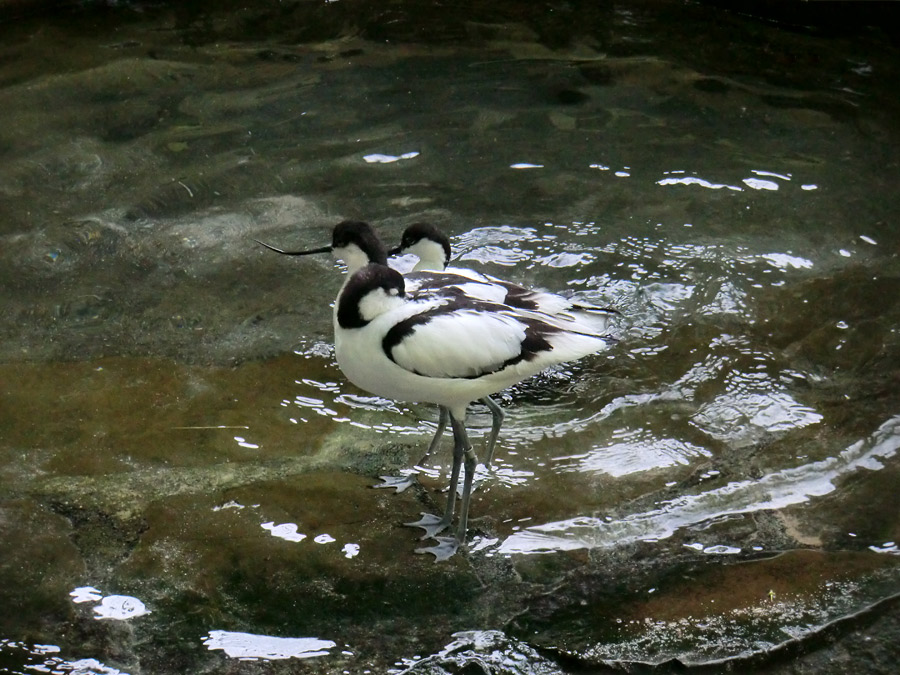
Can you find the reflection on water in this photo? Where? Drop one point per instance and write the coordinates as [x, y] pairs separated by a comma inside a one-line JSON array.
[[86, 594], [286, 531], [776, 490], [249, 647], [36, 660], [484, 650], [634, 450], [887, 547], [232, 505], [717, 549], [387, 159], [290, 532], [242, 442], [118, 607], [752, 404]]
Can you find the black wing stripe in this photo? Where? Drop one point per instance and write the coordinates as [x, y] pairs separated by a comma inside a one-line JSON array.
[[535, 342]]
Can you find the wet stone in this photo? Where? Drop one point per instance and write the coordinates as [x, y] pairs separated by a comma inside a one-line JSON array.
[[697, 613], [39, 564]]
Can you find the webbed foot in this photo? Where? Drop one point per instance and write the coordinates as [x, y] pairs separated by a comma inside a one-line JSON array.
[[399, 483], [445, 549], [431, 524]]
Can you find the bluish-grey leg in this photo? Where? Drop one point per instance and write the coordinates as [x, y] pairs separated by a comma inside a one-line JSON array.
[[443, 416], [400, 483], [433, 524], [497, 416], [447, 546]]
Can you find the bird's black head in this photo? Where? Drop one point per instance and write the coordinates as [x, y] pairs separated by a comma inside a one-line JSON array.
[[345, 235], [349, 232], [416, 232], [369, 292]]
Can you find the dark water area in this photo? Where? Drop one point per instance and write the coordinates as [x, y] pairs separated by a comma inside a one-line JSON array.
[[185, 474]]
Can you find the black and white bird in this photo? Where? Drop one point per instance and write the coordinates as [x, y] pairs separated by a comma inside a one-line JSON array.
[[432, 248], [486, 331], [356, 244], [447, 348], [432, 272]]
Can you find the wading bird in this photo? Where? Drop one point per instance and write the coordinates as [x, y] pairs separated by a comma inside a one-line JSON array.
[[446, 348], [485, 334]]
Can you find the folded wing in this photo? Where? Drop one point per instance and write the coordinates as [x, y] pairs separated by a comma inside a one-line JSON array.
[[466, 341]]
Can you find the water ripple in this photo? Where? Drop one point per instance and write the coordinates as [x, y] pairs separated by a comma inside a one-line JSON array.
[[774, 491], [750, 406], [38, 659], [634, 450]]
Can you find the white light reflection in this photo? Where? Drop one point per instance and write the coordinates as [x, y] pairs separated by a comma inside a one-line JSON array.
[[526, 165], [86, 594], [888, 547], [771, 174], [332, 387], [728, 300], [693, 180], [774, 491], [250, 647], [484, 236], [485, 651], [55, 664], [496, 255], [120, 608], [749, 408], [754, 183], [6, 643], [632, 452], [388, 159], [316, 350], [338, 407], [500, 476], [367, 402], [721, 549], [286, 531], [754, 403], [482, 543], [565, 259], [667, 297], [782, 261], [760, 184]]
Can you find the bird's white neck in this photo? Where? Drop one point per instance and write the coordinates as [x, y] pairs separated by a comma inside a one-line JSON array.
[[432, 257], [353, 257]]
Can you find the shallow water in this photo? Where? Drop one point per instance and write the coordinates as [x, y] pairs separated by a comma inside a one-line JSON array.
[[184, 472]]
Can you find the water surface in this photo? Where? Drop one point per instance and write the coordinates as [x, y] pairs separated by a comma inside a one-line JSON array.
[[184, 472]]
